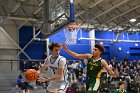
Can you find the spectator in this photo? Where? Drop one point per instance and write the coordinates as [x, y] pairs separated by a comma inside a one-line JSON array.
[[121, 88], [70, 90], [113, 64], [138, 69], [79, 74], [137, 82], [24, 66], [33, 65], [44, 55], [104, 87], [21, 83], [131, 73], [125, 64], [80, 65], [84, 78], [75, 86], [133, 87], [129, 86], [83, 90], [74, 65]]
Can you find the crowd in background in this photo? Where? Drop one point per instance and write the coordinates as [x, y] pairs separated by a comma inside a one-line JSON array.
[[129, 72]]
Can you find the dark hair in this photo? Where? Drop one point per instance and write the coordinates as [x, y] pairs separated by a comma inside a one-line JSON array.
[[20, 76], [121, 82], [53, 44], [100, 47]]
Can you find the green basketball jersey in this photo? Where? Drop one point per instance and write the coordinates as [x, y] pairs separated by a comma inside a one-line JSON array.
[[94, 69]]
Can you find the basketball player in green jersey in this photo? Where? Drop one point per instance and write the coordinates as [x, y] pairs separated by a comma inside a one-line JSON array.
[[94, 67]]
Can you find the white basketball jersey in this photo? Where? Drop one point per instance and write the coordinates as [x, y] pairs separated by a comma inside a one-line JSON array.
[[54, 64]]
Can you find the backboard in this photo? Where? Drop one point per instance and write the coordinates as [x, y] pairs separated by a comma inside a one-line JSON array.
[[56, 15]]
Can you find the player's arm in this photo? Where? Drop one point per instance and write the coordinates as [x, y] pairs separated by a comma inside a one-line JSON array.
[[76, 55], [108, 69], [44, 67], [56, 77]]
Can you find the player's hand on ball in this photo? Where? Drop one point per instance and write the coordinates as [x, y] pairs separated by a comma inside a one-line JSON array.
[[43, 80]]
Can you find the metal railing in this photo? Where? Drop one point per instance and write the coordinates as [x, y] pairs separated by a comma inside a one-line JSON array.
[[14, 64]]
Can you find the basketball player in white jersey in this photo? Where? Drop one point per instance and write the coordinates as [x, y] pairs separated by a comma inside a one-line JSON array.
[[56, 70]]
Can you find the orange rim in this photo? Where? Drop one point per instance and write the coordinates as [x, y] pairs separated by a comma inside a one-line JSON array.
[[72, 26]]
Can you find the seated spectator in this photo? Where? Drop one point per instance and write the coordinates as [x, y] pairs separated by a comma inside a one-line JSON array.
[[113, 64], [79, 74], [104, 87], [22, 83], [71, 75], [84, 78], [24, 66], [75, 86], [131, 73], [133, 87], [80, 65], [129, 86], [125, 64], [33, 65], [83, 90], [70, 90], [124, 73], [138, 69], [137, 82], [121, 88], [74, 65]]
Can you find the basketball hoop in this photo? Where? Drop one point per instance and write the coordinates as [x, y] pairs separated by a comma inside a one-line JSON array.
[[71, 33]]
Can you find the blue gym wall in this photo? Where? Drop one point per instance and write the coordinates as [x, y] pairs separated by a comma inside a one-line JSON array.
[[35, 49], [128, 48]]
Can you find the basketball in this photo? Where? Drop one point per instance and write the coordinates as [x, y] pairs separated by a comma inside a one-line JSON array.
[[31, 75]]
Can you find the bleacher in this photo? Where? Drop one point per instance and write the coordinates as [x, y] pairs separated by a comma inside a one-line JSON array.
[[8, 80]]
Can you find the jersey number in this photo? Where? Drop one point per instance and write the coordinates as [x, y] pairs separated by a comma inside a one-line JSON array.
[[91, 67]]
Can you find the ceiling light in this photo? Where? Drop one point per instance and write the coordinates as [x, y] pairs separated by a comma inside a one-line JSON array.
[[132, 20]]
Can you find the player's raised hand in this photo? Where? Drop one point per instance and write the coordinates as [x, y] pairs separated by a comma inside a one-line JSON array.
[[64, 47]]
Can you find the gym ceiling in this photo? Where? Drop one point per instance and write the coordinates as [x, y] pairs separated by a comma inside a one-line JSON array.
[[102, 14]]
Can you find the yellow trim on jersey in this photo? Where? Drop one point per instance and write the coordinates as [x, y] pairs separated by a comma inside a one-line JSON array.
[[97, 84], [99, 74]]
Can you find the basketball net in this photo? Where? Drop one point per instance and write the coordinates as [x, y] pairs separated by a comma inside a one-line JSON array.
[[71, 33]]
